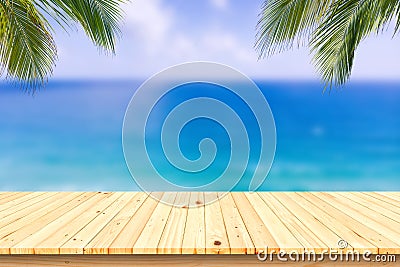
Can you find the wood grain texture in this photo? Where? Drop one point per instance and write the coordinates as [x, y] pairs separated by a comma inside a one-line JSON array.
[[172, 261], [194, 237], [104, 223], [172, 236], [239, 239], [216, 237]]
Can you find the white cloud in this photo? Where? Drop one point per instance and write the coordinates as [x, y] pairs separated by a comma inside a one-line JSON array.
[[182, 47], [220, 4], [156, 35], [150, 20], [153, 25], [226, 45]]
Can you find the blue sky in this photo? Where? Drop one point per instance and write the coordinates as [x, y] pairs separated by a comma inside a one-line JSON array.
[[161, 33]]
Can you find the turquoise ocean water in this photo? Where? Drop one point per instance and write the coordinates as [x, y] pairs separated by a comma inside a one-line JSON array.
[[68, 136]]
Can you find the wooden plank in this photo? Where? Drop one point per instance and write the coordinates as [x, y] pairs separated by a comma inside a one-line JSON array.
[[147, 242], [10, 236], [98, 223], [311, 222], [77, 242], [16, 232], [4, 194], [337, 221], [239, 239], [216, 237], [365, 226], [260, 235], [10, 217], [379, 203], [308, 239], [194, 237], [278, 230], [23, 206], [384, 210], [394, 195], [23, 220], [383, 221], [9, 196], [41, 240], [384, 198], [124, 242], [15, 203], [50, 239], [174, 261], [172, 236], [102, 241]]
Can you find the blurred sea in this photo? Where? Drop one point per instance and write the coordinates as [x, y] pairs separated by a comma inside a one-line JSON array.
[[68, 137]]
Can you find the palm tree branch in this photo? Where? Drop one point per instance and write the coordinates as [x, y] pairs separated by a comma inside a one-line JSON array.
[[27, 50], [99, 18], [336, 39], [332, 28], [396, 9], [283, 21]]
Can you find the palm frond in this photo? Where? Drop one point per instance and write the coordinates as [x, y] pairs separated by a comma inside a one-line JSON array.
[[332, 28], [100, 19], [282, 22], [336, 39], [396, 9], [27, 49], [388, 9]]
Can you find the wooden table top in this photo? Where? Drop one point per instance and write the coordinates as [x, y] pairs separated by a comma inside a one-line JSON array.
[[238, 223]]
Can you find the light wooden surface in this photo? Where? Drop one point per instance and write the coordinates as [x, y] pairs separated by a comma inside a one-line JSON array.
[[174, 261], [238, 223]]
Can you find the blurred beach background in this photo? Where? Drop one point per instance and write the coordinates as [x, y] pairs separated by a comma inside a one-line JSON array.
[[68, 136]]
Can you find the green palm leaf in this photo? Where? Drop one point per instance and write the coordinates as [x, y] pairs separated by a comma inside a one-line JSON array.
[[98, 18], [332, 29], [282, 22], [27, 49]]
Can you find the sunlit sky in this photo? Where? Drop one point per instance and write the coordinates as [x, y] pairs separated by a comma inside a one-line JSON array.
[[161, 33]]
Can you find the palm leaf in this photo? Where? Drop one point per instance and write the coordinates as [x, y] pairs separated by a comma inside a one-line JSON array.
[[27, 49], [336, 39], [332, 28], [282, 22], [99, 18], [396, 13], [338, 36]]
